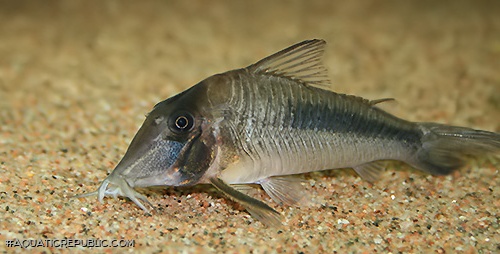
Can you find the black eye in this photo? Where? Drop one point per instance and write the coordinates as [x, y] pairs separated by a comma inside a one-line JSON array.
[[182, 122]]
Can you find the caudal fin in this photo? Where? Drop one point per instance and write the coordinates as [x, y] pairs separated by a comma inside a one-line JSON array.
[[447, 148]]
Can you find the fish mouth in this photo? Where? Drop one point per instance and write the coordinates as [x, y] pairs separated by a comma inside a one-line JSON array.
[[141, 167], [115, 185]]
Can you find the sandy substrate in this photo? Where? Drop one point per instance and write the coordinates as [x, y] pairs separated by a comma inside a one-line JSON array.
[[77, 78]]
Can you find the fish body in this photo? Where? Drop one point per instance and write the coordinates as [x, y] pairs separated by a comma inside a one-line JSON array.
[[278, 127], [272, 119]]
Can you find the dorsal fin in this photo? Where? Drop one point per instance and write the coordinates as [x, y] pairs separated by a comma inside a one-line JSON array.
[[301, 62]]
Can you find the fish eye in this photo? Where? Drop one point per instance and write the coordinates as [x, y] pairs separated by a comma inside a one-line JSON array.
[[182, 122]]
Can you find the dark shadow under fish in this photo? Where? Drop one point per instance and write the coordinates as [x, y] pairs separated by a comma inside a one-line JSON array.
[[273, 119]]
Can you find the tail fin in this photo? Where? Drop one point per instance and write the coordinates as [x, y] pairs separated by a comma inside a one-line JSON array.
[[447, 148]]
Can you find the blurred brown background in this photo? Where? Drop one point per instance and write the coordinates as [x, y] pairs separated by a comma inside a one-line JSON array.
[[77, 78]]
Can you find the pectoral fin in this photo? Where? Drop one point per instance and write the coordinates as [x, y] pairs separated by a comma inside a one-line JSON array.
[[251, 190], [286, 190], [256, 208]]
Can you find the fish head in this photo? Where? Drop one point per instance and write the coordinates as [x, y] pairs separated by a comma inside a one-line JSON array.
[[173, 147]]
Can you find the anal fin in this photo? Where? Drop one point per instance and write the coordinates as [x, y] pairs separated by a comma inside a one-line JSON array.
[[286, 190], [256, 208], [370, 171]]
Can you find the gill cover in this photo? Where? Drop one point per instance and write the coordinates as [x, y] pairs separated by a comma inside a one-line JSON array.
[[194, 159]]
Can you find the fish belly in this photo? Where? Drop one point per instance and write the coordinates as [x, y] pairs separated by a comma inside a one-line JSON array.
[[295, 153]]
